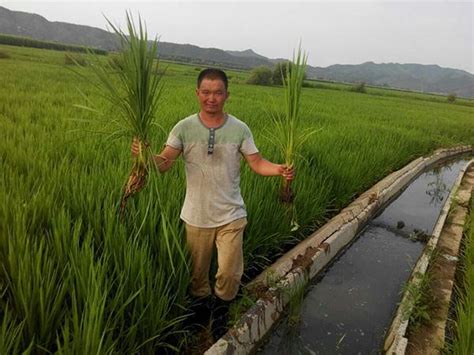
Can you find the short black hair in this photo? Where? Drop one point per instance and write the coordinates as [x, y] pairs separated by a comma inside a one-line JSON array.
[[213, 74]]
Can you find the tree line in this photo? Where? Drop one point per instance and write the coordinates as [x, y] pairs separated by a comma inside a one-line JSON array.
[[29, 42]]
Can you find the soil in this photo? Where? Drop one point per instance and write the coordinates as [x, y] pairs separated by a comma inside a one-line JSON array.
[[304, 261], [202, 341], [260, 291]]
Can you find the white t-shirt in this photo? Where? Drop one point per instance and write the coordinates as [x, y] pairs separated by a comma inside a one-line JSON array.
[[212, 161]]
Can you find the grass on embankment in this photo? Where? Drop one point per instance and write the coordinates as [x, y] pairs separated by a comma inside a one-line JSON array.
[[463, 323]]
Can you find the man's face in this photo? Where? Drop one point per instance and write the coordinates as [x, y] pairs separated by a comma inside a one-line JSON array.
[[212, 95]]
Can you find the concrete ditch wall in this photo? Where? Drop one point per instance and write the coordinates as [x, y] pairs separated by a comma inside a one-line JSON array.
[[311, 255]]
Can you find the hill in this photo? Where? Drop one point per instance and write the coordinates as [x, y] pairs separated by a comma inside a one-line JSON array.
[[418, 77]]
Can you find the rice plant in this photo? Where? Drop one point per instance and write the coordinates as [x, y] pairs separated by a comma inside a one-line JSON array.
[[10, 333], [133, 89]]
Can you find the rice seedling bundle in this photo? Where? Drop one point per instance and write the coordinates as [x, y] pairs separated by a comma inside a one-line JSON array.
[[289, 134], [131, 83]]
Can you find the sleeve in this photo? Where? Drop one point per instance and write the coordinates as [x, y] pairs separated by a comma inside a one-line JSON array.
[[175, 137], [248, 145]]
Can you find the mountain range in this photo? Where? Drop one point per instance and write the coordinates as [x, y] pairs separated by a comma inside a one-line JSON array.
[[417, 77]]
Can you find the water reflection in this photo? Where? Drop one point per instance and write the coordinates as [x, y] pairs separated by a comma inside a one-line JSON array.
[[291, 342], [438, 189], [418, 206]]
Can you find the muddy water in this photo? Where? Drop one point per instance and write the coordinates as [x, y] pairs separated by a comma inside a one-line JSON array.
[[349, 307]]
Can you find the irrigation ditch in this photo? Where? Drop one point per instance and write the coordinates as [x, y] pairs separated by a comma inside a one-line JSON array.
[[342, 284], [436, 269]]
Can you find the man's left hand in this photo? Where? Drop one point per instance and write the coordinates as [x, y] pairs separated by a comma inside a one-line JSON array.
[[287, 172]]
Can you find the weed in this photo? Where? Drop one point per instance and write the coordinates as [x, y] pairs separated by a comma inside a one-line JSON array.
[[241, 305], [271, 279], [296, 294], [420, 300]]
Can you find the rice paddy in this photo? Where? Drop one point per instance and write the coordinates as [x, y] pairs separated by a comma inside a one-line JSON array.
[[75, 279]]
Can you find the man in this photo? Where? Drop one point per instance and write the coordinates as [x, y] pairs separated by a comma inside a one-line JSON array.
[[212, 143]]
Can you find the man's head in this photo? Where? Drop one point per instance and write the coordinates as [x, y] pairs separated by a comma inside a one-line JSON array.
[[212, 90], [213, 74]]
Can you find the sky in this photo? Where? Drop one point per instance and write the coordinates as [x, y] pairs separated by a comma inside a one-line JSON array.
[[332, 32]]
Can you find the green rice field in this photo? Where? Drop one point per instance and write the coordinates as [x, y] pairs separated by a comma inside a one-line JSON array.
[[75, 279]]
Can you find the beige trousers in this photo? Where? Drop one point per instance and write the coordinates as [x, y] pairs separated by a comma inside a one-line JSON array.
[[228, 241]]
